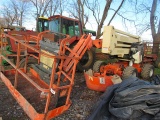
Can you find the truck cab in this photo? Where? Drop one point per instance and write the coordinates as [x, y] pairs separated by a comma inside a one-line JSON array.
[[42, 24], [65, 25], [61, 26]]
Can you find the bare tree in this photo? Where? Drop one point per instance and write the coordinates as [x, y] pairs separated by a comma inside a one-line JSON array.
[[62, 6], [155, 33], [21, 8], [56, 6], [101, 17], [148, 19], [40, 7], [116, 11], [8, 15], [13, 11], [2, 22], [52, 7], [78, 11]]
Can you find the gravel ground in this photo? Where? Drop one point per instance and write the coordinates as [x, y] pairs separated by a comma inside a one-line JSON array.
[[83, 101]]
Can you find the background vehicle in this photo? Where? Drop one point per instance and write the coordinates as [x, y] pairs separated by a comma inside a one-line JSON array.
[[72, 27], [127, 57], [42, 24], [58, 24]]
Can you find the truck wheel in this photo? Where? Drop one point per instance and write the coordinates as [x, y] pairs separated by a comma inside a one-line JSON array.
[[147, 71], [129, 71], [86, 61], [97, 66], [31, 60]]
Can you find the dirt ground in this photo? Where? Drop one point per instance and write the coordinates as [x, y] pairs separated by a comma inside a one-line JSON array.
[[83, 101]]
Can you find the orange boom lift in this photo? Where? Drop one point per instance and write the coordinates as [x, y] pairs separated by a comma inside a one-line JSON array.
[[127, 56], [44, 90]]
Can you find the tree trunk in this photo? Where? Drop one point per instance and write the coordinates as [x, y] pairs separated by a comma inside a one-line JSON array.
[[98, 32], [153, 30], [156, 44], [152, 17], [21, 17], [37, 22], [105, 12]]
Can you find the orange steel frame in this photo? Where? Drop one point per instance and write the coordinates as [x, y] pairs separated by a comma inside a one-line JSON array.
[[107, 73], [27, 37], [117, 68], [66, 67]]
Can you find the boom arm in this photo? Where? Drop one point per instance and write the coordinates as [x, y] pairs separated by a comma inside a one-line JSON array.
[[116, 42]]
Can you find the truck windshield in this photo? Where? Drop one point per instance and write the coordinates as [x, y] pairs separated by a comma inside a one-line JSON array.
[[64, 26], [54, 25]]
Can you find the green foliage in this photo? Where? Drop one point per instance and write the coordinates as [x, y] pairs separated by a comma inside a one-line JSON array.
[[157, 71]]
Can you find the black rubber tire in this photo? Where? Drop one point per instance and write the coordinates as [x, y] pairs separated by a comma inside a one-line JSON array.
[[31, 60], [129, 71], [87, 60], [97, 65], [147, 71]]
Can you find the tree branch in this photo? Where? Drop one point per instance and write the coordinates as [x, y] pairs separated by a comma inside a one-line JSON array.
[[116, 12]]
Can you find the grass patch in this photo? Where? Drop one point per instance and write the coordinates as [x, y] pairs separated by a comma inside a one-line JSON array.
[[157, 71]]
